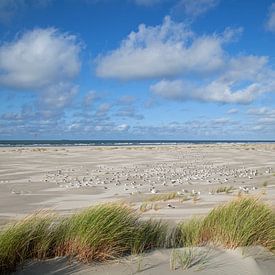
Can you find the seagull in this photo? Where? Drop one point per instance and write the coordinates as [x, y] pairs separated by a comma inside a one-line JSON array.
[[170, 206]]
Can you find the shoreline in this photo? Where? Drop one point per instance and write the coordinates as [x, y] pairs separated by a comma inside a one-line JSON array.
[[128, 143]]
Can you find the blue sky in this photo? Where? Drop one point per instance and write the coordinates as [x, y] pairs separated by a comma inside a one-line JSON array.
[[137, 69]]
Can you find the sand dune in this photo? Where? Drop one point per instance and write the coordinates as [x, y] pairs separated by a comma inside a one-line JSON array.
[[250, 261]]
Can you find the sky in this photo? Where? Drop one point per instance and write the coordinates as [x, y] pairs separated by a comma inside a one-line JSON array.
[[137, 69]]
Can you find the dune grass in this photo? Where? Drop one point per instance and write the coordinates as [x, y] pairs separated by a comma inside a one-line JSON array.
[[189, 257], [265, 183], [109, 231], [242, 222], [224, 189], [163, 197], [98, 233], [33, 237], [189, 232]]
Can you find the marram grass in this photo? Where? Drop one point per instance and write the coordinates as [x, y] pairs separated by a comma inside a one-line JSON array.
[[97, 233], [113, 230], [245, 221], [32, 237], [163, 196]]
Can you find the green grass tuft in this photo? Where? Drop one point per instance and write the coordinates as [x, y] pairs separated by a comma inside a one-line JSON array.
[[33, 237], [96, 234], [242, 222], [224, 189], [190, 232], [188, 258], [163, 197], [112, 230]]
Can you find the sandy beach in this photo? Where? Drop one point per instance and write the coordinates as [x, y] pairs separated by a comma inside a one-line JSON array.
[[69, 178], [66, 179]]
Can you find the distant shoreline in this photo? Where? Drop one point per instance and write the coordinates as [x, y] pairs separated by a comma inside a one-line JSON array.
[[69, 143]]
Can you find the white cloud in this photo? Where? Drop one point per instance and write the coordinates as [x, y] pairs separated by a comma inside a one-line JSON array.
[[250, 68], [90, 97], [240, 82], [39, 58], [214, 92], [194, 8], [58, 96], [264, 117], [261, 111], [270, 24], [165, 50], [122, 128], [222, 121], [103, 109]]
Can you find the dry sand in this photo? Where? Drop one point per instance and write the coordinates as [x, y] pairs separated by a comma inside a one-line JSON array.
[[68, 178], [249, 261]]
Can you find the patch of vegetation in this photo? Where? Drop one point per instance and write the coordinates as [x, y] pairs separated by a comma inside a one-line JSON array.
[[183, 198], [109, 231], [146, 206], [188, 257], [223, 189], [190, 232], [33, 237], [163, 197], [242, 222], [265, 183], [96, 234]]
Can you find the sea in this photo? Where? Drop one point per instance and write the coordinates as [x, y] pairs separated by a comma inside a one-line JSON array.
[[47, 143]]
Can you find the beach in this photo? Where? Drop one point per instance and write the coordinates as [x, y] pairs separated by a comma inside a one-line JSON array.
[[198, 178], [68, 178]]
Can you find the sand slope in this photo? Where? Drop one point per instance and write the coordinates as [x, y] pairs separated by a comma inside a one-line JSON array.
[[252, 261]]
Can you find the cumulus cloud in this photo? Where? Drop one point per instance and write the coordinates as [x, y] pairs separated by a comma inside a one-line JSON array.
[[213, 92], [270, 23], [241, 82], [39, 58], [165, 50], [172, 52], [194, 8]]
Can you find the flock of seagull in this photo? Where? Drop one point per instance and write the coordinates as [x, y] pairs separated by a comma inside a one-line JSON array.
[[154, 177]]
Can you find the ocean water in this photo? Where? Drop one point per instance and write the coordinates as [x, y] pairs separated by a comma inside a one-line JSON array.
[[45, 143]]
